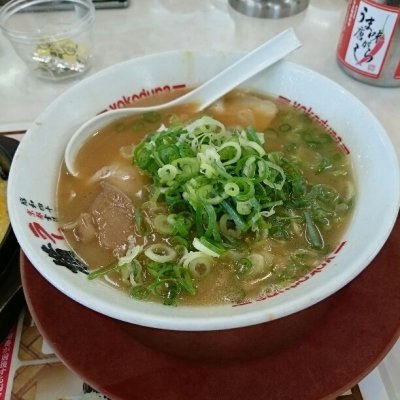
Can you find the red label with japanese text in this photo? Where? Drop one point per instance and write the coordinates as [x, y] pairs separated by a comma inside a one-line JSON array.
[[366, 36], [397, 72], [6, 350]]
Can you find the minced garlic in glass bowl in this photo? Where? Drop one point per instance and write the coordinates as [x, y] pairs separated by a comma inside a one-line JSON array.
[[52, 37]]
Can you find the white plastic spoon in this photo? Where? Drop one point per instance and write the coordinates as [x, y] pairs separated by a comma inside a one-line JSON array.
[[247, 66]]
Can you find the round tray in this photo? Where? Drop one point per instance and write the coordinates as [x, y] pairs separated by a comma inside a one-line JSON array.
[[350, 340]]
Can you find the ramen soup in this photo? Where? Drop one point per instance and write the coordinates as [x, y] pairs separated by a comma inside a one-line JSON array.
[[225, 206]]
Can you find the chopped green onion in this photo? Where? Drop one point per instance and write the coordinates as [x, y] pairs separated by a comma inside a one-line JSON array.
[[131, 254], [200, 266], [233, 231], [258, 262], [167, 173], [243, 267], [139, 292], [160, 252], [103, 271], [313, 234], [253, 136], [213, 185], [152, 116], [204, 246], [187, 167], [206, 221], [140, 223], [231, 189], [244, 207], [162, 225], [135, 276], [232, 156], [236, 218], [285, 127]]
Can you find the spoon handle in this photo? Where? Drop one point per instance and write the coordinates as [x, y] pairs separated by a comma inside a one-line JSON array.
[[246, 67]]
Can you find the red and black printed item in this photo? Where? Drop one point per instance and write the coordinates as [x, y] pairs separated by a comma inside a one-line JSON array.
[[11, 297]]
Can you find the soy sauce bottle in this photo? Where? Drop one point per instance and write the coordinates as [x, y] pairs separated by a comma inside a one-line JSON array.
[[369, 44]]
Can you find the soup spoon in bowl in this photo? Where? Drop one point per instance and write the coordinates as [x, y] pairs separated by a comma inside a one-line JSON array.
[[204, 95]]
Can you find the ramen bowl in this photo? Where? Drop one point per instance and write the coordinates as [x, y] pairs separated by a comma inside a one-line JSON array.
[[32, 203]]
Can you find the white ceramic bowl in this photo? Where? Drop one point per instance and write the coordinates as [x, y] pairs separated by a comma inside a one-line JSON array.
[[34, 173]]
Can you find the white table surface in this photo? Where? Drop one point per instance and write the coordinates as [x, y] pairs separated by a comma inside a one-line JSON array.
[[151, 26]]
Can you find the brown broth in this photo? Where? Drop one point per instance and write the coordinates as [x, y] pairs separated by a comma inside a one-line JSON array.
[[286, 259]]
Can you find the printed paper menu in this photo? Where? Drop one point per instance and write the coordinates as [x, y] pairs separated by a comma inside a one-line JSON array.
[[29, 370]]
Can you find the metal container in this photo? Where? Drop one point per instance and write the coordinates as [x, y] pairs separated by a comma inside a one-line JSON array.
[[269, 8], [369, 44]]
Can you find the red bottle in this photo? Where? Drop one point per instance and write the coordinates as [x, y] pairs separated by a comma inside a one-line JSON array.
[[369, 44]]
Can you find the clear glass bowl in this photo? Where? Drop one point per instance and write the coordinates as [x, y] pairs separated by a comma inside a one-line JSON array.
[[53, 37]]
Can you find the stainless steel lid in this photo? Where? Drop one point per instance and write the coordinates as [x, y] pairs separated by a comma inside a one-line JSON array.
[[269, 8]]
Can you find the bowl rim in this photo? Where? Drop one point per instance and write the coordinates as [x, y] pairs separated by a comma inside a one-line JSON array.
[[232, 319]]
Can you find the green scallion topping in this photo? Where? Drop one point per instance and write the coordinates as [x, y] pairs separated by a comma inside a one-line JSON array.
[[216, 188]]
